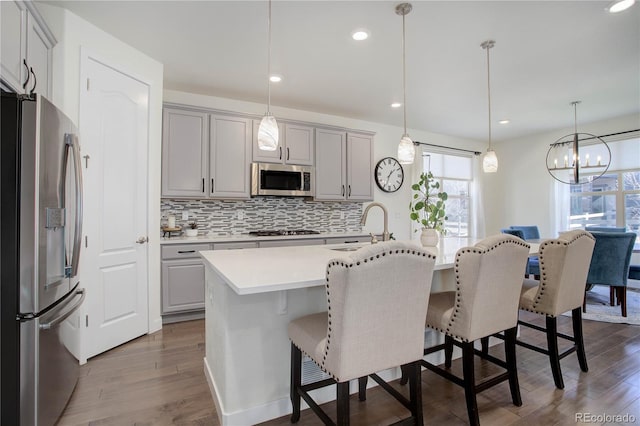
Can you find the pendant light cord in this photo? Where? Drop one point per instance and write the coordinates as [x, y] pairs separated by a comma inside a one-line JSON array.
[[489, 46], [269, 62], [404, 78]]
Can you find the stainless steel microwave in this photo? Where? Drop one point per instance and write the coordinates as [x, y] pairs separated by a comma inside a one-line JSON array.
[[280, 179]]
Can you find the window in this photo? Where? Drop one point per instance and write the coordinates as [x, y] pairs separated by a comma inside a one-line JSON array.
[[611, 200], [455, 175]]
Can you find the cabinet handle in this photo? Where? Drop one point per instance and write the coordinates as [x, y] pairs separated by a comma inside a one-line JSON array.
[[202, 185], [349, 195], [35, 81], [186, 251], [24, 85], [280, 155], [351, 241], [287, 153], [343, 190], [212, 185]]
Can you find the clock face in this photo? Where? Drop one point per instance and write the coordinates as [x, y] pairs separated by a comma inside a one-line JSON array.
[[389, 174]]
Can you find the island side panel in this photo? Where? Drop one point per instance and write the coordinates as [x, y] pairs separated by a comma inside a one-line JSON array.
[[247, 346]]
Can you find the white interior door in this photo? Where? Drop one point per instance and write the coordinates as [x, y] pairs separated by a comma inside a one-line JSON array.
[[114, 134]]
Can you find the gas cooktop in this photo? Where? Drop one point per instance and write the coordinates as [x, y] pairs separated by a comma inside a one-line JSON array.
[[276, 232]]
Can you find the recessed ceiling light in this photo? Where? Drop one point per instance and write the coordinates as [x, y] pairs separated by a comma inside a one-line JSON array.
[[396, 105], [275, 78], [620, 5], [504, 121], [360, 35]]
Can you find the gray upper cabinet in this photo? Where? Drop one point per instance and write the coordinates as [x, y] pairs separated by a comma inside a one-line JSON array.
[[344, 166], [295, 145], [230, 157], [205, 155], [184, 153], [359, 167], [26, 44]]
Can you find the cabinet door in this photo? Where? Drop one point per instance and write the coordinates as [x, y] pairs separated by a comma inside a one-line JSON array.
[[182, 285], [260, 156], [291, 243], [359, 167], [230, 157], [184, 153], [39, 58], [299, 145], [330, 165], [13, 36]]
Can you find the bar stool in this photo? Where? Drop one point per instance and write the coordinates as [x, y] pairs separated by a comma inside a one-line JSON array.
[[377, 299], [564, 264], [485, 302]]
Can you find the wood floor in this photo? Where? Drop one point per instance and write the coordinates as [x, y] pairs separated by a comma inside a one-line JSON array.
[[158, 380]]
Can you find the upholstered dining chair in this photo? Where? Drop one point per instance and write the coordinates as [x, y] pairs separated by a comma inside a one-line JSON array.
[[605, 228], [530, 232], [610, 265], [485, 302], [377, 302], [564, 264]]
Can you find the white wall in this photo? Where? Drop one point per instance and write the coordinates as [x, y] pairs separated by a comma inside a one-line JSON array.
[[521, 192], [74, 33], [385, 145]]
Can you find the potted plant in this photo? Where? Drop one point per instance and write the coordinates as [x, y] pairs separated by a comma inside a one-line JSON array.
[[192, 229], [428, 209]]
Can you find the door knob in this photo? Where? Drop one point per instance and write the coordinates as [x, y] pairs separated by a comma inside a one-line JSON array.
[[142, 240]]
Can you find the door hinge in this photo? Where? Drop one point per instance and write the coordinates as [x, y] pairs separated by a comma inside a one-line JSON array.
[[86, 320], [88, 84], [86, 241]]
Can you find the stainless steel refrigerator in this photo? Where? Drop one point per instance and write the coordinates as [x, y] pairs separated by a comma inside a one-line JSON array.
[[40, 238]]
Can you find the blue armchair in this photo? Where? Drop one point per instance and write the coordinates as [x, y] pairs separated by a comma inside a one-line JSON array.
[[605, 229], [530, 232], [610, 264]]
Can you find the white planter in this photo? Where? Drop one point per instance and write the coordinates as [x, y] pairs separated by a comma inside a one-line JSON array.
[[429, 237], [191, 232]]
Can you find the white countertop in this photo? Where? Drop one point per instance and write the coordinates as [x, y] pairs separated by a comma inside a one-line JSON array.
[[263, 270], [181, 239]]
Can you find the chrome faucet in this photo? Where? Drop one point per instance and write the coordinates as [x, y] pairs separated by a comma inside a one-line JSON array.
[[363, 220]]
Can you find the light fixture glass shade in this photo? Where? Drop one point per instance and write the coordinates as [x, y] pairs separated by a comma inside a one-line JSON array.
[[490, 162], [620, 5], [268, 133], [406, 150]]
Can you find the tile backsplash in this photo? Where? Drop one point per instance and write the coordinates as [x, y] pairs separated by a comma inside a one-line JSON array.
[[225, 217]]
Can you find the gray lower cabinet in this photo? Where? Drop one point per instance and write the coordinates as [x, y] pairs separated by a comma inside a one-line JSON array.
[[348, 240], [182, 281], [291, 243]]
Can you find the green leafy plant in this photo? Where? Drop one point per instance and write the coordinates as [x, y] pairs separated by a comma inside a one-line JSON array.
[[428, 203]]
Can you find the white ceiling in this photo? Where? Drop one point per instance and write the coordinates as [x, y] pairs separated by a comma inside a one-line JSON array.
[[547, 54]]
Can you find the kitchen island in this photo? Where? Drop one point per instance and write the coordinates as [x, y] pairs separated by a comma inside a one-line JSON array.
[[250, 297]]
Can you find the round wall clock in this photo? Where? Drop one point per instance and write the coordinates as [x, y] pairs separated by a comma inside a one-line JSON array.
[[389, 174]]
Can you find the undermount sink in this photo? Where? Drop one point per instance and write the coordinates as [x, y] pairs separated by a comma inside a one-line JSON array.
[[346, 248]]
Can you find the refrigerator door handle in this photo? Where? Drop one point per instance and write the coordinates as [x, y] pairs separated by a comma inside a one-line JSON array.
[[65, 314], [71, 143]]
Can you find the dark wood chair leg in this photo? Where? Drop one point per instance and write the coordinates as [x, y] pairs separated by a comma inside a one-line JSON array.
[[554, 356], [576, 317], [612, 296], [415, 391], [404, 378], [296, 382], [512, 367], [342, 397], [622, 298], [470, 383], [448, 350], [362, 387], [484, 343], [584, 303]]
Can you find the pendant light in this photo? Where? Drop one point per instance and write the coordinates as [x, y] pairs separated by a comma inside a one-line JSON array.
[[564, 159], [490, 161], [268, 131], [406, 150]]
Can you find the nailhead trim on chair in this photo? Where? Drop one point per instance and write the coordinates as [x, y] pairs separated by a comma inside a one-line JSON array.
[[351, 265], [543, 275], [476, 249]]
